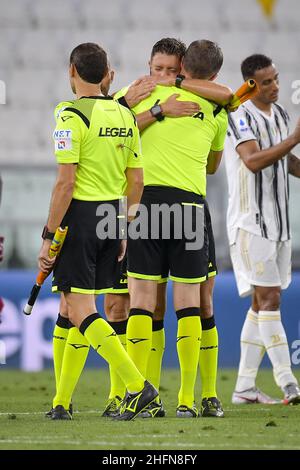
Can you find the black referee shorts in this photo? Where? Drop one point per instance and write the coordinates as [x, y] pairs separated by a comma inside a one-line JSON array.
[[120, 283], [212, 269], [87, 264], [153, 256]]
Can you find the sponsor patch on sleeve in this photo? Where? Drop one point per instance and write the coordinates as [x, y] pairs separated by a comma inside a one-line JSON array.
[[242, 125], [62, 139]]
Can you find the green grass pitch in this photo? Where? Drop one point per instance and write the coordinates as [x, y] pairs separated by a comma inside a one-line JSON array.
[[24, 397]]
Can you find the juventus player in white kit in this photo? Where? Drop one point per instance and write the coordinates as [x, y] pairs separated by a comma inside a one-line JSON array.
[[258, 160]]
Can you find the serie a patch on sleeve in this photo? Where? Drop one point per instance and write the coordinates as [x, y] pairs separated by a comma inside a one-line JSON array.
[[242, 125], [62, 139]]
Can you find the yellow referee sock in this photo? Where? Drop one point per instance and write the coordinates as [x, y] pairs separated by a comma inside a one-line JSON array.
[[139, 337], [188, 347], [117, 387], [156, 353], [60, 335], [76, 352], [208, 357], [106, 343]]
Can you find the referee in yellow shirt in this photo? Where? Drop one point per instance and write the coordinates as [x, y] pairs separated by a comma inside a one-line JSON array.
[[98, 154], [177, 153]]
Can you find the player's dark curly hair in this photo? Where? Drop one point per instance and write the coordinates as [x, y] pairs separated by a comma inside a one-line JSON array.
[[253, 63], [203, 59], [90, 61], [169, 46]]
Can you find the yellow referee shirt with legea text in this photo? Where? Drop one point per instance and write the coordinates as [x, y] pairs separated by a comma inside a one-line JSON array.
[[101, 137]]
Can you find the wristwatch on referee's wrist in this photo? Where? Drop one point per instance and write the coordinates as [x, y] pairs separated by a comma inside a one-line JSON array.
[[156, 112], [179, 79], [46, 235]]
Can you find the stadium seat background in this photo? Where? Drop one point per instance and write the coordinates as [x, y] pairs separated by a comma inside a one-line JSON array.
[[36, 37]]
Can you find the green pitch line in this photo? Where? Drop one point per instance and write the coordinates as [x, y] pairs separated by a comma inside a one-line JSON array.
[[24, 397]]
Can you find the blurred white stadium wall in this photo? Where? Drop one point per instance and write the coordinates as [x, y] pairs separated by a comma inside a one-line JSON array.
[[36, 37]]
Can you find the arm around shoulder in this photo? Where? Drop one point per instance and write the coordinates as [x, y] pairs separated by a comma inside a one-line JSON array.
[[209, 90]]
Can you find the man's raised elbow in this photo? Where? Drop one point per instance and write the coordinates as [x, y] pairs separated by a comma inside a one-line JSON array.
[[228, 94]]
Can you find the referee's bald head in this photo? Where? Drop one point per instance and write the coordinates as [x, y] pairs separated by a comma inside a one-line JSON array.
[[203, 59], [90, 61]]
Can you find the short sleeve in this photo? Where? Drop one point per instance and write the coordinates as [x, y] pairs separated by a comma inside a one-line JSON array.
[[60, 107], [67, 137], [240, 129], [219, 140], [119, 94]]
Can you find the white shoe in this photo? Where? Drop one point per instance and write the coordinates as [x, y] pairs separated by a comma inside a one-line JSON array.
[[291, 394], [253, 395]]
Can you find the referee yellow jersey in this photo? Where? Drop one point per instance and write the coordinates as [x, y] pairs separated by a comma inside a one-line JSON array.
[[101, 137], [175, 150]]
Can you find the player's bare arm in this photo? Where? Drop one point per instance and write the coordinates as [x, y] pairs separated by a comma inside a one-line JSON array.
[[172, 107], [139, 90], [256, 159], [294, 165], [220, 94], [62, 194], [144, 120], [60, 201], [134, 190], [213, 161]]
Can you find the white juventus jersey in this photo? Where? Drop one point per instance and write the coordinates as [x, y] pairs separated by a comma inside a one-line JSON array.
[[258, 203]]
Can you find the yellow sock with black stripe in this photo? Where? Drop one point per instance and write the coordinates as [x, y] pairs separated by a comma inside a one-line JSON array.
[[76, 352], [60, 335], [208, 357], [106, 343], [139, 337], [117, 387], [188, 347], [156, 353]]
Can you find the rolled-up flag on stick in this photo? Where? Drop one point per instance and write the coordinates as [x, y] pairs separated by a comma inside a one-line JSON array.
[[54, 250], [246, 92]]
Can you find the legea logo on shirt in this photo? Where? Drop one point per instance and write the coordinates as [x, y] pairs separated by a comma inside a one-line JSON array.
[[63, 139]]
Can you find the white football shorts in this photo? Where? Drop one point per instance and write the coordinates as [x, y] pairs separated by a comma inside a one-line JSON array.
[[260, 262]]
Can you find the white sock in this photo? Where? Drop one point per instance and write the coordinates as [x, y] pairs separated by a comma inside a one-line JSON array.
[[252, 352], [275, 341]]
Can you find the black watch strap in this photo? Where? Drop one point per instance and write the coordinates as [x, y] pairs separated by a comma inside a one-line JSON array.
[[179, 79], [46, 235], [156, 112]]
